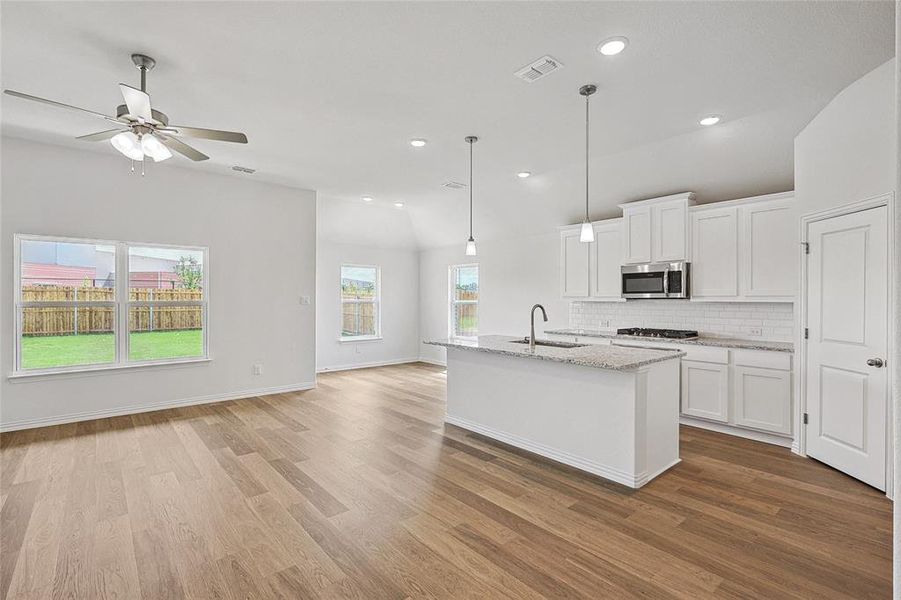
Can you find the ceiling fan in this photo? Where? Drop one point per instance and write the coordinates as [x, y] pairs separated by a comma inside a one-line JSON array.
[[143, 131]]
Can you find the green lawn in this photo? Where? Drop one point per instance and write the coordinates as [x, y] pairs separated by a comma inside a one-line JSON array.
[[66, 350]]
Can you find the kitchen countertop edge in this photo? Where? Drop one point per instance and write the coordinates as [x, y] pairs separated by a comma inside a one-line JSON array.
[[736, 343]]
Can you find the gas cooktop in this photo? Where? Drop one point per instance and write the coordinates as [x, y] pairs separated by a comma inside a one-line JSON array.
[[675, 334]]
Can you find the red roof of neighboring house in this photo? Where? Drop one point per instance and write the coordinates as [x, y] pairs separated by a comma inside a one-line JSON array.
[[42, 274]]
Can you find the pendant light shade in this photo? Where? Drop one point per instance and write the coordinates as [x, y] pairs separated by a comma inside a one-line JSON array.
[[128, 144], [471, 242], [586, 235]]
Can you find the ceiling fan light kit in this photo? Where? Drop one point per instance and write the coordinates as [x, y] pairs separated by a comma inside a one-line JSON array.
[[143, 131]]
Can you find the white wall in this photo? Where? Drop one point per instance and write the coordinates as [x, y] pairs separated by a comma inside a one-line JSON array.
[[399, 306], [847, 152], [514, 274], [262, 259]]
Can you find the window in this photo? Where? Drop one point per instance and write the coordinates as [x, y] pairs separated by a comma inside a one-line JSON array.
[[360, 297], [464, 301], [74, 313]]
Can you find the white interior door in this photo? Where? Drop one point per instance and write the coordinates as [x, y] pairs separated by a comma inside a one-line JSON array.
[[847, 319]]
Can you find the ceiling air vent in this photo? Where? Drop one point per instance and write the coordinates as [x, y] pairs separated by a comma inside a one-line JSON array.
[[454, 185], [241, 169], [540, 68]]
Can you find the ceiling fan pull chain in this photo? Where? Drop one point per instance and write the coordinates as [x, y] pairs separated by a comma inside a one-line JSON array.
[[132, 166], [142, 168]]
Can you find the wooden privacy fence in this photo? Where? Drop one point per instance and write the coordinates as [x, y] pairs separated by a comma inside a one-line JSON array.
[[99, 319], [358, 318]]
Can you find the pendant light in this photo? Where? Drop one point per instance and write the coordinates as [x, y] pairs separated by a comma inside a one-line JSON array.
[[470, 243], [587, 232]]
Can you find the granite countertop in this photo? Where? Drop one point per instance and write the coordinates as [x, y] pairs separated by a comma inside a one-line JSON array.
[[699, 341], [614, 358]]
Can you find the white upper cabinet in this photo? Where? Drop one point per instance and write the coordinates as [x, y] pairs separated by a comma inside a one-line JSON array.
[[573, 264], [771, 242], [669, 233], [745, 250], [714, 252], [656, 230], [636, 238], [604, 261]]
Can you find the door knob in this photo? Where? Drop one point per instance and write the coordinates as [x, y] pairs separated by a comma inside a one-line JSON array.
[[875, 362]]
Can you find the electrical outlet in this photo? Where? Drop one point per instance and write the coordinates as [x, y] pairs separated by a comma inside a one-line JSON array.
[[258, 369], [757, 331], [306, 300]]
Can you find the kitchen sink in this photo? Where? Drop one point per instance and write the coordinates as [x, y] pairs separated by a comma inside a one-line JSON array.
[[551, 343]]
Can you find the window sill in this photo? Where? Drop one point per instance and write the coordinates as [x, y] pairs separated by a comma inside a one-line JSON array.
[[39, 375], [362, 338]]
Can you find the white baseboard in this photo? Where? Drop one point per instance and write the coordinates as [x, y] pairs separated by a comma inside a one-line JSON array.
[[560, 456], [367, 365], [750, 434], [142, 408], [432, 361]]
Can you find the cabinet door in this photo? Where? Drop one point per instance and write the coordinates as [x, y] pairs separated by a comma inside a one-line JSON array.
[[770, 250], [637, 235], [763, 399], [573, 265], [668, 231], [605, 262], [705, 390], [714, 258]]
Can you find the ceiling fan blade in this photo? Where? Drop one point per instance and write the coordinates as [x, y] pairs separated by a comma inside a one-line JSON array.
[[182, 148], [100, 135], [58, 104], [211, 134], [138, 102]]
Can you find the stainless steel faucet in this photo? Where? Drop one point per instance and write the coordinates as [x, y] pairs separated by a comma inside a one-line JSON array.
[[532, 337]]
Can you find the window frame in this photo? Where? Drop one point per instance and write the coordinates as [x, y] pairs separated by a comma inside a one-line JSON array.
[[120, 305], [378, 305], [453, 302]]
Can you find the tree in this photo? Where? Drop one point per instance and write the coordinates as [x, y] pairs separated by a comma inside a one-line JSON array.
[[189, 271]]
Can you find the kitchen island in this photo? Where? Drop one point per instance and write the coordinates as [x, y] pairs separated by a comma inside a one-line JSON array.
[[612, 411]]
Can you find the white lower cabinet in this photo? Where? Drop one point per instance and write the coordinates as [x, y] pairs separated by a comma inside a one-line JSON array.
[[705, 390], [763, 399]]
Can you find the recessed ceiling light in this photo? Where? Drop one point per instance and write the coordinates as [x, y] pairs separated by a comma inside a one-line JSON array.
[[367, 198], [417, 142], [523, 174], [710, 120], [612, 46], [398, 204]]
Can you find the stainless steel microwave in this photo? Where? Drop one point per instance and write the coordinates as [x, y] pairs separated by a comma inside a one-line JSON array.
[[656, 280]]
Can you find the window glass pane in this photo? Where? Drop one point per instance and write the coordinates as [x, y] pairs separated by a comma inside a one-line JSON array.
[[164, 274], [466, 283], [358, 282], [358, 318], [158, 332], [67, 271], [63, 337], [466, 320]]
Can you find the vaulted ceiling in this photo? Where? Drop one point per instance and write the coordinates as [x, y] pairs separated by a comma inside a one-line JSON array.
[[330, 94]]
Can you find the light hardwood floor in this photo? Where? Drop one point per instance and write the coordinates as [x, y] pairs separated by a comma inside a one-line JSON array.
[[355, 490]]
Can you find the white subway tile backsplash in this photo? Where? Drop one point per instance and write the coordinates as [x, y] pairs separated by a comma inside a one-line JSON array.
[[716, 319]]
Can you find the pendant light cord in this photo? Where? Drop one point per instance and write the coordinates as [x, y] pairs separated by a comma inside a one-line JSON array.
[[586, 155], [470, 188]]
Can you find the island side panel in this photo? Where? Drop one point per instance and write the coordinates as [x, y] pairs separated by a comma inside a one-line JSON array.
[[580, 416], [658, 425]]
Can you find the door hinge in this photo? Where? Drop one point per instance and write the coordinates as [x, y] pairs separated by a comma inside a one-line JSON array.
[[806, 333], [806, 247], [805, 418]]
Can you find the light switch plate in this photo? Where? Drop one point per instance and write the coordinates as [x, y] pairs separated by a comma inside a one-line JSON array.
[[305, 300]]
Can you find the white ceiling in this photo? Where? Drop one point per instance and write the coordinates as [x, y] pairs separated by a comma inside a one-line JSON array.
[[330, 93]]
